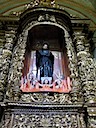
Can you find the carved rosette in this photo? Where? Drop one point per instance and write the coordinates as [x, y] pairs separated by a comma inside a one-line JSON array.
[[87, 68], [15, 73], [5, 59], [76, 89]]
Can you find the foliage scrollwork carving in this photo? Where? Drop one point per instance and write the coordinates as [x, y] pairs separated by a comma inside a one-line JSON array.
[[45, 119], [47, 98], [76, 89], [13, 89], [87, 67], [5, 58]]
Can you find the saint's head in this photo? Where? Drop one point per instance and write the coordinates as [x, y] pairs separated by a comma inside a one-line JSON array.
[[45, 46]]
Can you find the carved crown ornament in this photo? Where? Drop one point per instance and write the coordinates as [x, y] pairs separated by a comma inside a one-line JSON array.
[[38, 3], [43, 2]]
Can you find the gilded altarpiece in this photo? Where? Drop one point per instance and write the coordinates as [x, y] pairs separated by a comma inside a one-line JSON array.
[[43, 109]]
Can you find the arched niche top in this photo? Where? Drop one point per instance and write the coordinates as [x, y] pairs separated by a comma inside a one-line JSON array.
[[45, 15], [48, 9], [32, 24], [46, 33]]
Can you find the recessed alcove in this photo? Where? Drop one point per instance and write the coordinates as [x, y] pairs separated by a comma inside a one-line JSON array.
[[54, 37]]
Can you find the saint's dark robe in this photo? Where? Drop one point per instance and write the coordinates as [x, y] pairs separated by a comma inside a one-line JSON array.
[[44, 62]]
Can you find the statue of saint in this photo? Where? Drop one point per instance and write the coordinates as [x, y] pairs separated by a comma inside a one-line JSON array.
[[45, 61]]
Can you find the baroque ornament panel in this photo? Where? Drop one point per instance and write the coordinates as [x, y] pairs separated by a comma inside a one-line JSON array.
[[47, 98], [48, 118], [87, 67], [13, 91], [46, 109], [5, 59]]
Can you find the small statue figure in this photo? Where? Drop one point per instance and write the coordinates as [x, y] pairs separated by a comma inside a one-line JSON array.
[[48, 2], [44, 61]]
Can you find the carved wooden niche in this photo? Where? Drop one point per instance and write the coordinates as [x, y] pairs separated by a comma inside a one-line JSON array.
[[60, 81]]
